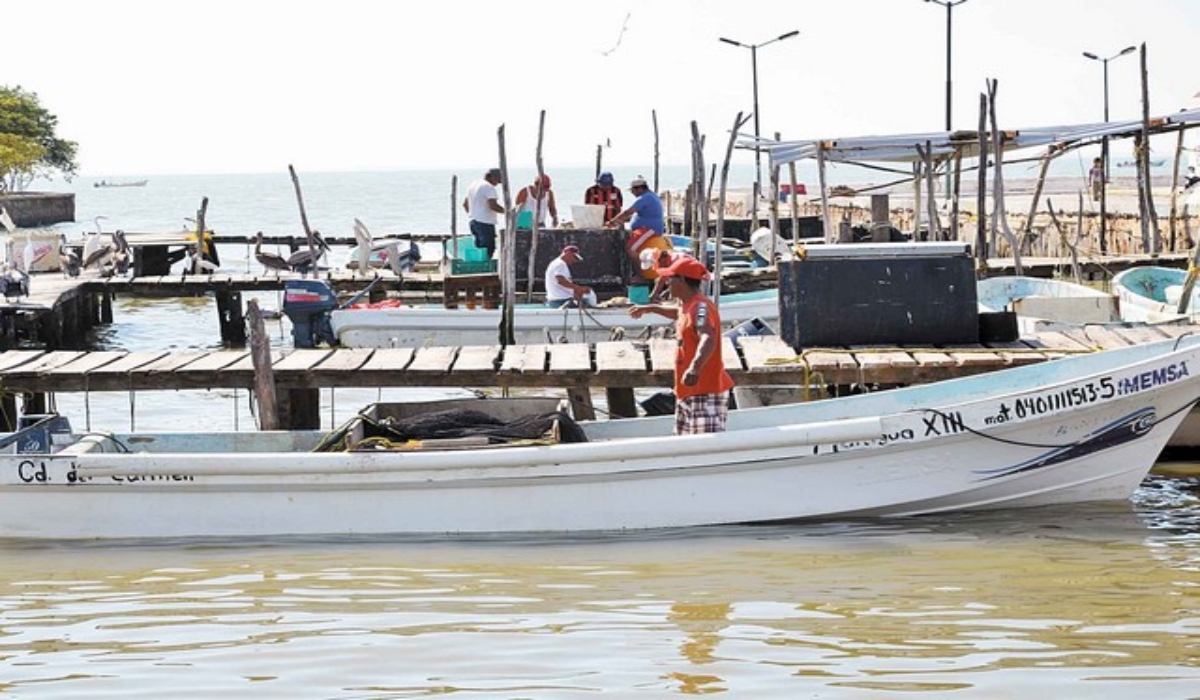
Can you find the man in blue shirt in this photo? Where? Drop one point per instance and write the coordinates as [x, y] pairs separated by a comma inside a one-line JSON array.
[[648, 223]]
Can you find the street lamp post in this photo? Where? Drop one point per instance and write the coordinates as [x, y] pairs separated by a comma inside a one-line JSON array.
[[754, 76], [1104, 145], [949, 5]]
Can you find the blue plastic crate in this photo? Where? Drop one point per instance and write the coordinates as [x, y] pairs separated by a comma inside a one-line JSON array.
[[472, 267]]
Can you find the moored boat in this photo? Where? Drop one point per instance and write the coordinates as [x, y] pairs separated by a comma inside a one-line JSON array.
[[1082, 428], [1151, 294], [1043, 303]]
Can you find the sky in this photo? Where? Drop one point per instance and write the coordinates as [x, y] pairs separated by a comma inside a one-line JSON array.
[[221, 86]]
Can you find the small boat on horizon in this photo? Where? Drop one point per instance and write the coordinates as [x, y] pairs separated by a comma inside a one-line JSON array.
[[120, 183]]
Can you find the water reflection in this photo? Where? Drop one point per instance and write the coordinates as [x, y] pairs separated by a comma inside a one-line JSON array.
[[995, 603]]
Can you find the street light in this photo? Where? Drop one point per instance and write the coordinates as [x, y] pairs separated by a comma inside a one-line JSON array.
[[1104, 144], [949, 5], [754, 74]]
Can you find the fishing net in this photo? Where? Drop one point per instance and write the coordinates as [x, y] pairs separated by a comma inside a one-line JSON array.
[[365, 432]]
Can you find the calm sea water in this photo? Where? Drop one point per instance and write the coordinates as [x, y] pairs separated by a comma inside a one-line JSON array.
[[1081, 602]]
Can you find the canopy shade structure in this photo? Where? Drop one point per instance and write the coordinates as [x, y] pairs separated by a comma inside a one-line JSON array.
[[903, 148]]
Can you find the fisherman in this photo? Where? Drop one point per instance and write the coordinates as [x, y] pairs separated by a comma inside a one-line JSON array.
[[561, 289], [701, 383], [482, 204], [647, 223]]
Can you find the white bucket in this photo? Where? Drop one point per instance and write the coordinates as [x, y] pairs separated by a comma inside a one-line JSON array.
[[587, 215]]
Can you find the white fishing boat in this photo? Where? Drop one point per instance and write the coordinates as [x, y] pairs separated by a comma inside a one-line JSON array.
[[1083, 428], [1151, 294], [1041, 304], [120, 183], [413, 326]]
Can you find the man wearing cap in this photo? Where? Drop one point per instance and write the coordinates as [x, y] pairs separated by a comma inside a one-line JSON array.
[[604, 192], [482, 205], [538, 199], [701, 383], [647, 225], [560, 288]]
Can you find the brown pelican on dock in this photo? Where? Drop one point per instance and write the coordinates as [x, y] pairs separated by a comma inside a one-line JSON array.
[[69, 258], [271, 261], [95, 252], [306, 259], [121, 254], [14, 281]]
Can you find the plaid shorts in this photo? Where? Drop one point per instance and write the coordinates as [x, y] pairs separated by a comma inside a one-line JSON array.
[[704, 413]]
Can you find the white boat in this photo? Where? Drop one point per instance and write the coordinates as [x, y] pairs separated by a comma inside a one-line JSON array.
[[120, 183], [414, 326], [1041, 304], [1151, 294], [1083, 428]]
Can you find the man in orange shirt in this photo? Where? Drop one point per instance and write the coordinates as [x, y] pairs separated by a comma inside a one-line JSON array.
[[701, 383]]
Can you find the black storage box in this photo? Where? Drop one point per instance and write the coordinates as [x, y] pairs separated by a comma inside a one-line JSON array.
[[998, 327], [879, 294]]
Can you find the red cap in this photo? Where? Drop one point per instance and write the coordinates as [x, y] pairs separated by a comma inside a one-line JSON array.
[[545, 181], [572, 249], [685, 266]]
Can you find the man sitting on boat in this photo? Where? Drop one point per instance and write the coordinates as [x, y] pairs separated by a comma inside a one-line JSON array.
[[648, 224], [561, 289]]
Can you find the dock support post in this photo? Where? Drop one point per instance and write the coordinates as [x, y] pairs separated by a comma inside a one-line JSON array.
[[106, 304], [620, 402], [8, 413], [231, 319], [300, 409], [581, 403]]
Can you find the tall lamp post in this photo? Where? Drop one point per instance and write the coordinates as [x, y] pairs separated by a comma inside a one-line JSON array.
[[1104, 145], [754, 75], [949, 5]]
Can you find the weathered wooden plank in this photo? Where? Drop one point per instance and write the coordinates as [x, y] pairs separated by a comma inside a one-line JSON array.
[[619, 356], [1106, 338], [170, 362], [768, 353], [524, 359], [130, 362], [477, 358], [890, 367], [15, 358], [1079, 336], [47, 362], [89, 362], [1140, 335], [976, 356], [433, 359], [215, 361], [345, 360], [388, 359], [301, 359], [246, 364], [932, 359], [570, 358], [662, 354]]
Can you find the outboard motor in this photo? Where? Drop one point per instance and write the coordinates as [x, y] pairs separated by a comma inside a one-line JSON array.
[[308, 304]]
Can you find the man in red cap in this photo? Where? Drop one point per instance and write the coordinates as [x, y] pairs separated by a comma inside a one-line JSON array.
[[701, 383], [561, 289]]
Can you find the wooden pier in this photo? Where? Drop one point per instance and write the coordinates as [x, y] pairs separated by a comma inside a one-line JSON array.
[[617, 367]]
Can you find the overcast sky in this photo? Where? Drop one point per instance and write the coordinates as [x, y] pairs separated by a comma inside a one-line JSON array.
[[150, 87]]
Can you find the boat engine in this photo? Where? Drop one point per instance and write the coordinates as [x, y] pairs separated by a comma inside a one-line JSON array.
[[308, 304]]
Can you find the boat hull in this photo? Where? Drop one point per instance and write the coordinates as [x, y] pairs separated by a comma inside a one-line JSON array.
[[1077, 429], [415, 326]]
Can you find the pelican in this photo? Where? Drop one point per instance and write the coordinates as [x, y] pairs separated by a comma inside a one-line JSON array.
[[306, 259], [271, 261], [94, 251], [14, 281], [121, 254], [69, 258]]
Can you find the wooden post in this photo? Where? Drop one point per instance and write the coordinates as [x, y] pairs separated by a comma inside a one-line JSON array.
[[599, 161], [581, 403], [954, 196], [795, 202], [106, 305], [825, 223], [537, 210], [453, 218], [8, 413], [1175, 190], [1037, 194], [721, 188], [312, 248], [1000, 215], [916, 180], [981, 240], [264, 374], [508, 254], [1149, 215], [620, 402], [935, 224], [201, 226], [654, 118], [230, 318]]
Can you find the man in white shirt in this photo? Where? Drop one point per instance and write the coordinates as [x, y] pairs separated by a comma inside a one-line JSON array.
[[560, 288], [482, 204]]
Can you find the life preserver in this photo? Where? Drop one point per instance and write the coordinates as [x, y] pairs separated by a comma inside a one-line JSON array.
[[646, 239]]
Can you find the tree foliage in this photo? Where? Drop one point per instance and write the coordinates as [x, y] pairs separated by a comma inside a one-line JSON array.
[[29, 142]]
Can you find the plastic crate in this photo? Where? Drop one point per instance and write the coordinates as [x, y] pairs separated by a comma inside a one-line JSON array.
[[472, 267]]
